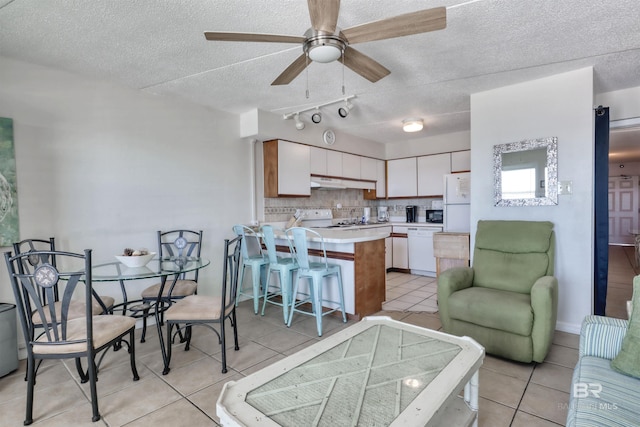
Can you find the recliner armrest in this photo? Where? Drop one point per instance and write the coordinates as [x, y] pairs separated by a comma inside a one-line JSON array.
[[544, 303], [450, 281], [602, 336]]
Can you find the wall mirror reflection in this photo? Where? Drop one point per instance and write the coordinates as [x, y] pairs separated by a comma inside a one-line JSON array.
[[526, 173]]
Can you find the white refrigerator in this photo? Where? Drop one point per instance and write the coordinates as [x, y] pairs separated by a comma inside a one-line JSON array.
[[457, 202]]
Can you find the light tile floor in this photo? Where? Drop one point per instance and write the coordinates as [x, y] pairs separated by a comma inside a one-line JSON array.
[[511, 394], [408, 292]]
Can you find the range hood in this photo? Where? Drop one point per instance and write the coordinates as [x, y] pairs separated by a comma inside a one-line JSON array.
[[328, 183], [322, 182]]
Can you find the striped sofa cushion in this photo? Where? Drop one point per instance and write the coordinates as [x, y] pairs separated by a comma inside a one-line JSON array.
[[602, 336], [602, 397]]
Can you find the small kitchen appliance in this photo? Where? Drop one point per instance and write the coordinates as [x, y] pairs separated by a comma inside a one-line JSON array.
[[367, 215], [383, 213], [434, 216], [412, 213]]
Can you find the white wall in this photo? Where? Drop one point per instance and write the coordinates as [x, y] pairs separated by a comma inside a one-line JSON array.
[[560, 106], [104, 167], [623, 104], [455, 141]]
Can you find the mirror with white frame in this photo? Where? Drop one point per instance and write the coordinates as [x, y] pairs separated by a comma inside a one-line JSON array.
[[526, 173]]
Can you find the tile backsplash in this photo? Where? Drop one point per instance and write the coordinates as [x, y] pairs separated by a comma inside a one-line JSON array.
[[281, 209]]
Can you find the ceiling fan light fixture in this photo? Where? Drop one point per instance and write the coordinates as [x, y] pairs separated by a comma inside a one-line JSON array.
[[324, 48], [299, 123], [412, 125]]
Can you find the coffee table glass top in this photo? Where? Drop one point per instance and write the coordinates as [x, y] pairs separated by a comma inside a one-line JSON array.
[[377, 372], [357, 376]]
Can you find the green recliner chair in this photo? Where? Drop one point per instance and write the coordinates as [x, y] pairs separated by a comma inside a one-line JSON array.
[[508, 300]]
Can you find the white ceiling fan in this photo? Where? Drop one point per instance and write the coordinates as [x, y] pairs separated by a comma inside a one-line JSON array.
[[326, 42]]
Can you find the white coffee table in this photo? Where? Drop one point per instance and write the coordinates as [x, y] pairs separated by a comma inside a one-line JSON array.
[[377, 372]]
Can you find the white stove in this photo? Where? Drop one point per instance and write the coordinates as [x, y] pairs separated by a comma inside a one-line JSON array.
[[316, 218]]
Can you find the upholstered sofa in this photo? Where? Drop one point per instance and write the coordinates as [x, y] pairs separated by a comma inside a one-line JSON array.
[[599, 395], [508, 300]]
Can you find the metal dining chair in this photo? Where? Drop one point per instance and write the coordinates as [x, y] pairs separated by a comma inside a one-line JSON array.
[[315, 273], [208, 311], [253, 257], [173, 244], [278, 294], [64, 337]]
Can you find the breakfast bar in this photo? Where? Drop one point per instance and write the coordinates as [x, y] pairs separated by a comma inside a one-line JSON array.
[[360, 252]]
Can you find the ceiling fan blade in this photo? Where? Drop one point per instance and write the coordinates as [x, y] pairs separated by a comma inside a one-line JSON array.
[[292, 71], [418, 22], [324, 14], [251, 37], [363, 65]]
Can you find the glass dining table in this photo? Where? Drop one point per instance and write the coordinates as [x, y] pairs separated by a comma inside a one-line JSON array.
[[165, 268]]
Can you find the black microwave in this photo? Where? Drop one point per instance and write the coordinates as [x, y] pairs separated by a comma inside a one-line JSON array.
[[434, 216]]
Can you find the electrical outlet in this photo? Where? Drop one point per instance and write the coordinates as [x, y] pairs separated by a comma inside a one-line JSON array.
[[565, 187]]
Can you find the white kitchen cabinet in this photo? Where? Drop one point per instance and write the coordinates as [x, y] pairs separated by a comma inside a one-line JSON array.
[[318, 160], [400, 252], [287, 169], [368, 168], [334, 163], [400, 245], [351, 166], [461, 161], [381, 179], [402, 178], [431, 169], [388, 253]]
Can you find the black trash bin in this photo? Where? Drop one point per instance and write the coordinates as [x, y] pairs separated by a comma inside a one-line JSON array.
[[8, 339]]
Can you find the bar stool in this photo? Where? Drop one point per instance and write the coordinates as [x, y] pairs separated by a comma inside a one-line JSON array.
[[284, 266], [315, 272], [252, 256]]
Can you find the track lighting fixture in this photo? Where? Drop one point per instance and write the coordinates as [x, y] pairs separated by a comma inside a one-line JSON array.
[[344, 111], [316, 117]]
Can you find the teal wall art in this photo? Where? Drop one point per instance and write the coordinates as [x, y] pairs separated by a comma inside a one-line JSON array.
[[9, 227]]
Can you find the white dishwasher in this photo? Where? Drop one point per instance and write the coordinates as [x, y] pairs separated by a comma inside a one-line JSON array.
[[421, 249]]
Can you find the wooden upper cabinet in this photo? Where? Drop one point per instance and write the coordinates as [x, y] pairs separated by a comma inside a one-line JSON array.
[[401, 178], [287, 169], [461, 161], [431, 170]]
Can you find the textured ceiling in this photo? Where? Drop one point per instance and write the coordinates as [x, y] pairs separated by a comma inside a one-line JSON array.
[[158, 46]]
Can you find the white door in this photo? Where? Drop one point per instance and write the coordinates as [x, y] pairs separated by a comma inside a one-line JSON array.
[[623, 209]]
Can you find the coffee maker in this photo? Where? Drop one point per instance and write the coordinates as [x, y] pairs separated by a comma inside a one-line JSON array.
[[383, 213], [412, 213]]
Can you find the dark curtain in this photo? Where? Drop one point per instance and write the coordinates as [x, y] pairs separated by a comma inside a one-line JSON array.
[[601, 210]]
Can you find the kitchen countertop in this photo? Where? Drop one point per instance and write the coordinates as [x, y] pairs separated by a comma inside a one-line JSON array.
[[357, 232]]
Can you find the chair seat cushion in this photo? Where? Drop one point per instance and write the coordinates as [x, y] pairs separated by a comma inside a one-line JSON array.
[[492, 308], [196, 308], [105, 329], [76, 309], [182, 288]]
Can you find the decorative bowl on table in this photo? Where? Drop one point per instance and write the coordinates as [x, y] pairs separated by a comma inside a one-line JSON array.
[[133, 261]]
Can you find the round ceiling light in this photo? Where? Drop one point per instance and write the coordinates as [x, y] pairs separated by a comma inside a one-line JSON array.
[[323, 48], [412, 125]]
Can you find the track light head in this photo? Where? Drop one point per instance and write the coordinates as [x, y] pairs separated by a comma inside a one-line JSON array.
[[316, 117], [344, 111], [299, 123]]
